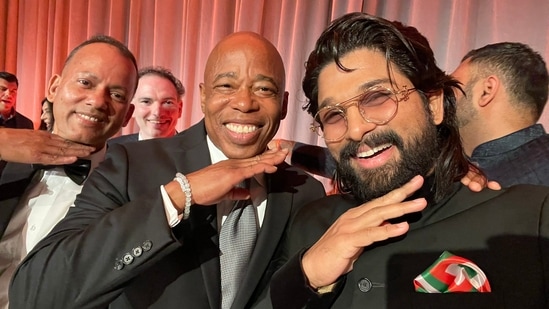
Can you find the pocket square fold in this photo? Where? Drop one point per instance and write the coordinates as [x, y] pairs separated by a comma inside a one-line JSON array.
[[452, 274]]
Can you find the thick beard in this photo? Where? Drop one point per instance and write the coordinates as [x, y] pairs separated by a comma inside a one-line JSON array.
[[417, 158]]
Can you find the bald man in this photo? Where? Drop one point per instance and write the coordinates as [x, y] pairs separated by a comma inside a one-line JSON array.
[[144, 233]]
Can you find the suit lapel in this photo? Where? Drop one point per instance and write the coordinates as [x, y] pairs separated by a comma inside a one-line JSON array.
[[279, 205], [192, 155]]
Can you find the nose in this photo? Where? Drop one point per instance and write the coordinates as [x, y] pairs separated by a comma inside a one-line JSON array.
[[156, 108], [357, 127], [244, 101], [99, 99]]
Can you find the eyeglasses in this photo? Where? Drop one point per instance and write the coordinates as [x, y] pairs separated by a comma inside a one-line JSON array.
[[377, 105]]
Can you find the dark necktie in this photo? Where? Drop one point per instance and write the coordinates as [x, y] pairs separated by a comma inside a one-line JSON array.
[[77, 171]]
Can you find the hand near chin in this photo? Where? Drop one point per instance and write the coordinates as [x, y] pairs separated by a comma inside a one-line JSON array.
[[217, 182], [33, 146], [335, 252]]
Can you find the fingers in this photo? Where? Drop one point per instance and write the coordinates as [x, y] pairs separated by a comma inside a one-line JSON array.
[[396, 196], [494, 185]]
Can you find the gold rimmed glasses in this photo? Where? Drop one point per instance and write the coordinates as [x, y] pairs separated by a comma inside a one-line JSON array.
[[377, 105]]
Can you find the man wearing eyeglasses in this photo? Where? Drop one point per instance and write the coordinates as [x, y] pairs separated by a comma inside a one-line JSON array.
[[388, 114]]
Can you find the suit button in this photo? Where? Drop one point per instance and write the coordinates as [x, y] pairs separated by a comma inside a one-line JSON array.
[[364, 285], [137, 251], [118, 265], [127, 259], [147, 245]]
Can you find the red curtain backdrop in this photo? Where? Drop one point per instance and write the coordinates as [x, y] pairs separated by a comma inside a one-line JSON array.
[[36, 36]]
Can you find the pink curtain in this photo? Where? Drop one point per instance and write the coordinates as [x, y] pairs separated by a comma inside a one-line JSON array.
[[36, 35]]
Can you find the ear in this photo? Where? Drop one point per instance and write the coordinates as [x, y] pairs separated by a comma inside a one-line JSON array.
[[129, 114], [436, 106], [284, 109], [202, 97], [180, 108], [490, 87], [53, 86]]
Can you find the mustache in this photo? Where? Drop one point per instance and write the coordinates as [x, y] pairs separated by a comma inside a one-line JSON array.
[[371, 140]]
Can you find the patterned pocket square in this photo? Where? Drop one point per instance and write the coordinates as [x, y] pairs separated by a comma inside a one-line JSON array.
[[452, 274]]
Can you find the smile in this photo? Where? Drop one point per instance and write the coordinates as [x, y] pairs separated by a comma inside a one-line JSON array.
[[241, 129], [89, 118], [372, 152]]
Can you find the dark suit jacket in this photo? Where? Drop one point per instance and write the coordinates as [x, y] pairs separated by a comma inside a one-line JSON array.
[[13, 183], [506, 233], [124, 139], [116, 247]]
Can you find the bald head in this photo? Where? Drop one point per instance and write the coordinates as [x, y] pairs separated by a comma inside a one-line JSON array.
[[242, 95], [255, 44]]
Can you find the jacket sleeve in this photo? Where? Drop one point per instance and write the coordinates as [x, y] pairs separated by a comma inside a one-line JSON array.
[[104, 241]]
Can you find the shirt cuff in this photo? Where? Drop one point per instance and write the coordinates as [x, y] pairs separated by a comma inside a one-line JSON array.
[[171, 212]]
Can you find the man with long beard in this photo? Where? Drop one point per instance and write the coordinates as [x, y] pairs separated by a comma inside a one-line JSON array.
[[387, 114]]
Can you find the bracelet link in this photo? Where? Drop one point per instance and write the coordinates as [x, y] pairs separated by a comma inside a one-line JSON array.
[[186, 188]]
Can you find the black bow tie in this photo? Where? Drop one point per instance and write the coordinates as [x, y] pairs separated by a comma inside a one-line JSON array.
[[77, 171]]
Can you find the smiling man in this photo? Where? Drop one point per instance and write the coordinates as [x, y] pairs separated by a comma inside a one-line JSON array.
[[158, 105], [148, 225], [387, 114], [90, 103]]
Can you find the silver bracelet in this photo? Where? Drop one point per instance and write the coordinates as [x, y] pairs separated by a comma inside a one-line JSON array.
[[186, 188]]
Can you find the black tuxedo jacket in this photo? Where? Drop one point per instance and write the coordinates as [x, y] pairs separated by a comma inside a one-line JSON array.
[[124, 139], [505, 233], [13, 183], [116, 247]]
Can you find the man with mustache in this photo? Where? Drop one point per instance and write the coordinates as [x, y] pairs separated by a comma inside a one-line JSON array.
[[158, 105], [388, 116], [505, 88]]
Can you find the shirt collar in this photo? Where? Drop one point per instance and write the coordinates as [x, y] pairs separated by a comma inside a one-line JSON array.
[[508, 142]]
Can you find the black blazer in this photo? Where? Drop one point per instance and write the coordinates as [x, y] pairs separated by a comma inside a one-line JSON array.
[[506, 233], [13, 183], [124, 139], [116, 247]]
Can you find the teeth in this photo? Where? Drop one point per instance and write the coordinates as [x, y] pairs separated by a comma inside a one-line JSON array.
[[89, 118], [372, 152], [237, 128], [156, 121]]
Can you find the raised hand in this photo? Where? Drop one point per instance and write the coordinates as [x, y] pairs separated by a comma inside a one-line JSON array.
[[34, 146], [335, 252], [217, 182]]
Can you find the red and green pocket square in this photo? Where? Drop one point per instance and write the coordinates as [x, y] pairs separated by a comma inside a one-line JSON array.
[[452, 274]]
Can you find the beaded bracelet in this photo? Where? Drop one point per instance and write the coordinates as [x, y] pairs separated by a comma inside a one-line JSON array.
[[186, 188]]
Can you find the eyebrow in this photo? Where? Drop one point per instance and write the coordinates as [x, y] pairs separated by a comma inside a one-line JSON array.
[[96, 79], [223, 75], [362, 88]]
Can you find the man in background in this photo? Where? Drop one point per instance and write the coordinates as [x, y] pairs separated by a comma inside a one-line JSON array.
[[9, 117], [91, 101], [158, 105], [388, 114], [505, 91]]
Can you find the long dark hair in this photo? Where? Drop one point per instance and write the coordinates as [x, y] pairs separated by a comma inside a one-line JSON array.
[[408, 51]]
